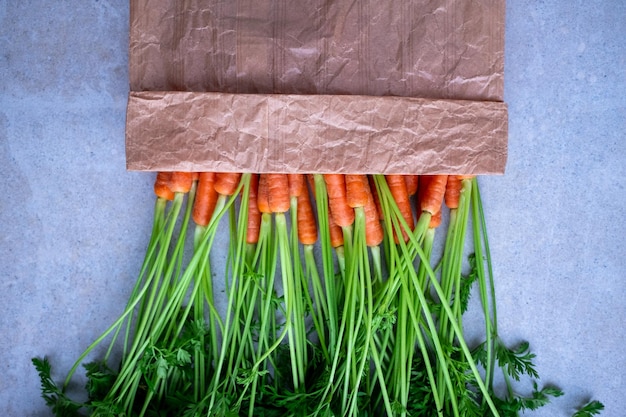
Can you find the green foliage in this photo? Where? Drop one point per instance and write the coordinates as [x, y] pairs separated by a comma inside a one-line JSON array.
[[384, 321], [467, 282], [100, 379], [516, 362], [59, 403], [421, 402], [592, 408], [390, 336], [512, 406]]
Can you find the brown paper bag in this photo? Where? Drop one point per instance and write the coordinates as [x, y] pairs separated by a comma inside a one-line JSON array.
[[317, 86]]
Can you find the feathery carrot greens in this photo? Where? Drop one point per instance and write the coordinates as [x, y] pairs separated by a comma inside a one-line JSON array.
[[360, 323]]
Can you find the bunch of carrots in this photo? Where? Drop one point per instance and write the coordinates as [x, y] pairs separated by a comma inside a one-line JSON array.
[[337, 303]]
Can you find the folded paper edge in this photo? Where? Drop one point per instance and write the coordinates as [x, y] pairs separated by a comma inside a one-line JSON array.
[[225, 132]]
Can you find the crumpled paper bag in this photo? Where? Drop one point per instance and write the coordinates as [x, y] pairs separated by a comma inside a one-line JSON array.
[[317, 86]]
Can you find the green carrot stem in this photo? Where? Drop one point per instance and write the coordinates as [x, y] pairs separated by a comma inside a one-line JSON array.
[[264, 262], [377, 362], [318, 307], [455, 326], [203, 276], [341, 263], [290, 294], [157, 229], [321, 200], [150, 305], [151, 268], [361, 316], [377, 264], [427, 315], [301, 296], [166, 324], [462, 223], [490, 315], [429, 239], [237, 332], [180, 243], [408, 276], [452, 263], [267, 267]]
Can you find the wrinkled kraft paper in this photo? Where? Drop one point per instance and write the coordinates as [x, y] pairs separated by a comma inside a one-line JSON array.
[[317, 86]]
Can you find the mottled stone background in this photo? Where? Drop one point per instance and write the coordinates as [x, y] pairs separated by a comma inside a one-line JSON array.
[[74, 224]]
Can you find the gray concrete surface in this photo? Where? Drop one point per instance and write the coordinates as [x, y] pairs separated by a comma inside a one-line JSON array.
[[74, 223]]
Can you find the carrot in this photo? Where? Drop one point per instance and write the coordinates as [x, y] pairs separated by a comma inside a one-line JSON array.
[[357, 190], [411, 183], [226, 183], [180, 182], [336, 234], [307, 229], [374, 192], [161, 186], [278, 192], [206, 199], [297, 184], [374, 233], [263, 201], [432, 189], [358, 194], [373, 229], [254, 215], [435, 220], [195, 176], [397, 186], [453, 191], [342, 213]]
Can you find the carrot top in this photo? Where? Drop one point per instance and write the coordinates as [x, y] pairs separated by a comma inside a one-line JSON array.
[[161, 186]]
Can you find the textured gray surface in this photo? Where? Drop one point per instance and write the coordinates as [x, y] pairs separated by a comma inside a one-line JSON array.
[[74, 224]]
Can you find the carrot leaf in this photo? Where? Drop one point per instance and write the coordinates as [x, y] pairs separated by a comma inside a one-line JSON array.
[[517, 361], [60, 404], [100, 378], [467, 281], [590, 409]]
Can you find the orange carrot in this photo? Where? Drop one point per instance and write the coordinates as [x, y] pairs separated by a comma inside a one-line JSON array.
[[278, 191], [453, 191], [180, 182], [195, 176], [336, 234], [373, 228], [307, 229], [342, 213], [411, 183], [435, 220], [357, 190], [161, 185], [263, 200], [397, 186], [254, 215], [432, 189], [374, 192], [206, 199], [226, 183], [297, 184]]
